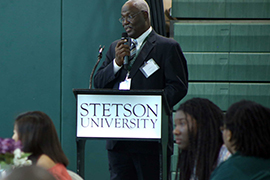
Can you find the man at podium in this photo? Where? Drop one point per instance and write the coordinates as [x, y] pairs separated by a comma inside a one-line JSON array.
[[149, 62]]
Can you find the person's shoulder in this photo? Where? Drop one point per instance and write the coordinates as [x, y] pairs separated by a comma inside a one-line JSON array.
[[223, 171], [167, 40], [229, 169], [45, 162], [115, 42]]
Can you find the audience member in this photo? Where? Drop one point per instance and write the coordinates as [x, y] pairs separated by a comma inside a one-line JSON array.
[[38, 135], [30, 173], [197, 133], [246, 133]]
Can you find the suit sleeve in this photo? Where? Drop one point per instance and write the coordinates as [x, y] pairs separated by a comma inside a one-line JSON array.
[[176, 75], [105, 77]]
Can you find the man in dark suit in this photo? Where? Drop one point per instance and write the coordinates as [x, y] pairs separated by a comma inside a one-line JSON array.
[[158, 64]]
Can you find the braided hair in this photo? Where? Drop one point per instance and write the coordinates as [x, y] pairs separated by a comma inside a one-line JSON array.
[[204, 146]]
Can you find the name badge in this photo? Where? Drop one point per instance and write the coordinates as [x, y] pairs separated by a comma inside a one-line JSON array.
[[125, 85], [149, 68]]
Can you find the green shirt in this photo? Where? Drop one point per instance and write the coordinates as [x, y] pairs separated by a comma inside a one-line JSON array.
[[239, 167]]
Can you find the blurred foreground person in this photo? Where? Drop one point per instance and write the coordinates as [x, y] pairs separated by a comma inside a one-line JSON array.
[[30, 173], [38, 135]]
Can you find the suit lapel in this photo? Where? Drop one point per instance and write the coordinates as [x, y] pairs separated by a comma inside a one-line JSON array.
[[144, 52]]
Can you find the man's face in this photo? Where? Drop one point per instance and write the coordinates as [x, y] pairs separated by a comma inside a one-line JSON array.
[[137, 24]]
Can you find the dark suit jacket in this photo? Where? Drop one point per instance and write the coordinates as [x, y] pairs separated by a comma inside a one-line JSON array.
[[172, 77]]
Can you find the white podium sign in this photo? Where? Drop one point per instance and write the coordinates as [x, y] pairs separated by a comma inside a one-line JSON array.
[[119, 116]]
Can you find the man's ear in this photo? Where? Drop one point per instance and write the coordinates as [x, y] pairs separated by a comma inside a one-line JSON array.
[[145, 14]]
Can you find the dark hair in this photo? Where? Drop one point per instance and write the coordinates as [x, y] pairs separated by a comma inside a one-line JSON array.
[[203, 151], [38, 135], [249, 123]]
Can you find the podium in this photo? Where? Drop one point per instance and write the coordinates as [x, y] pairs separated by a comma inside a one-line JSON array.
[[137, 115]]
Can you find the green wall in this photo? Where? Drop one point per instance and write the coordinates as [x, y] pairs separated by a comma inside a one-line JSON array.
[[47, 48]]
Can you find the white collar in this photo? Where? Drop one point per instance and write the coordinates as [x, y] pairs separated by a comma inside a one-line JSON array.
[[142, 37]]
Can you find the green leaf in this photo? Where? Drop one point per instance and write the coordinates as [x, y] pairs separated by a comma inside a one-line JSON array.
[[25, 155]]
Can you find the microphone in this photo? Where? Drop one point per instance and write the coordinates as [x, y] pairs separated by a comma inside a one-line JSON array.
[[126, 58]]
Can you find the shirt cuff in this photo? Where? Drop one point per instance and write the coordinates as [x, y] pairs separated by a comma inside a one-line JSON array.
[[115, 67]]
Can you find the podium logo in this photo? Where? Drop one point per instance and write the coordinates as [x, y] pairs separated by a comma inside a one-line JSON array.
[[119, 115]]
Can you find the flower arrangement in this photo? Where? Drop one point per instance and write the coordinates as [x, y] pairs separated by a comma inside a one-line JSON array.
[[11, 154]]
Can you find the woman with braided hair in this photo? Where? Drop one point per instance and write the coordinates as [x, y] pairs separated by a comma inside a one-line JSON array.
[[197, 133]]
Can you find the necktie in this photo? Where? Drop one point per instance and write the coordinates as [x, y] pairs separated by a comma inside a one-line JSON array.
[[133, 49], [133, 52]]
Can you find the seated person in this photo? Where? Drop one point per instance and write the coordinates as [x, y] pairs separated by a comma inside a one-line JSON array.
[[197, 133], [246, 134], [29, 173], [38, 136]]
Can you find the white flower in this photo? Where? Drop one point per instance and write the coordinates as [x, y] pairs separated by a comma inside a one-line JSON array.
[[19, 159], [17, 153]]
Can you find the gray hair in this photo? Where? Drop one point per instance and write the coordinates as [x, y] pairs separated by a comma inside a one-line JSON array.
[[141, 5]]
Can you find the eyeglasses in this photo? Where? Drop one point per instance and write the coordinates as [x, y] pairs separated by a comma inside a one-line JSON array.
[[128, 18]]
